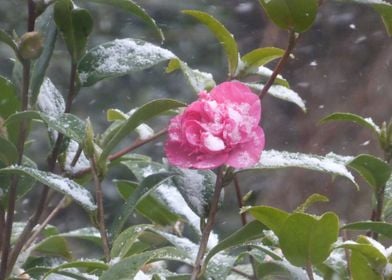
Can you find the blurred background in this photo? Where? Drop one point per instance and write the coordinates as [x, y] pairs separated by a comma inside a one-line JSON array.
[[342, 64]]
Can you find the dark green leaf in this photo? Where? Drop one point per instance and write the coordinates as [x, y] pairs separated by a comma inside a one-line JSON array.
[[150, 207], [54, 246], [149, 184], [379, 227], [223, 36], [141, 115], [89, 233], [280, 269], [118, 58], [250, 231], [375, 171], [132, 7], [9, 101], [306, 239], [273, 218], [87, 265], [56, 182], [297, 15], [8, 152], [75, 25], [45, 26], [365, 122]]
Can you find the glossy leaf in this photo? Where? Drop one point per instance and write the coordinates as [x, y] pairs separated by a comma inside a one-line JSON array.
[[8, 152], [148, 185], [197, 187], [379, 227], [56, 182], [126, 239], [118, 58], [147, 111], [7, 39], [307, 239], [9, 101], [375, 171], [133, 8], [75, 26], [250, 231], [283, 93], [150, 207], [365, 122], [273, 218], [222, 34], [45, 26], [330, 163], [258, 57], [198, 80], [297, 15], [67, 124]]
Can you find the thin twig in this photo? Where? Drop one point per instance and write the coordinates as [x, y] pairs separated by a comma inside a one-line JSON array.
[[243, 274], [347, 254], [77, 156], [2, 224], [101, 213], [208, 227], [292, 41], [239, 199], [42, 226], [309, 270]]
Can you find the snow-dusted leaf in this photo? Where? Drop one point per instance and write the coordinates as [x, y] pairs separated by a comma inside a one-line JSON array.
[[349, 117], [50, 101], [258, 57], [90, 265], [58, 183], [198, 80], [119, 57], [330, 163], [282, 93], [81, 164], [88, 233], [280, 269], [197, 187], [265, 73]]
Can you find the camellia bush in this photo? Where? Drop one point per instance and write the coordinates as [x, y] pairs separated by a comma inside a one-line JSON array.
[[208, 144]]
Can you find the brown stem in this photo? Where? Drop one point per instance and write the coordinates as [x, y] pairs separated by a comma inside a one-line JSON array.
[[77, 156], [292, 41], [309, 271], [2, 224], [239, 199], [101, 213], [208, 227], [347, 254], [138, 143]]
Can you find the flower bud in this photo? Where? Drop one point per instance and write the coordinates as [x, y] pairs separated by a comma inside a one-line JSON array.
[[31, 45]]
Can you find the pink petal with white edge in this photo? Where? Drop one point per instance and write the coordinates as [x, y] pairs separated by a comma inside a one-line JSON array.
[[248, 154]]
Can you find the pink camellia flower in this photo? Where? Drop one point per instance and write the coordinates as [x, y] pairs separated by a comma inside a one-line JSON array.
[[221, 127]]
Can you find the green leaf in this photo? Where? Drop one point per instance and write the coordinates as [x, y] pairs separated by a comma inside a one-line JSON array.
[[126, 239], [9, 101], [310, 201], [148, 185], [258, 57], [282, 93], [8, 152], [89, 265], [118, 58], [365, 122], [197, 188], [383, 8], [360, 268], [250, 231], [55, 246], [198, 80], [56, 182], [132, 7], [75, 26], [280, 269], [67, 124], [150, 207], [307, 239], [297, 15], [330, 163], [273, 218], [375, 171], [222, 34], [38, 70], [379, 227], [89, 233], [147, 111], [7, 39]]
